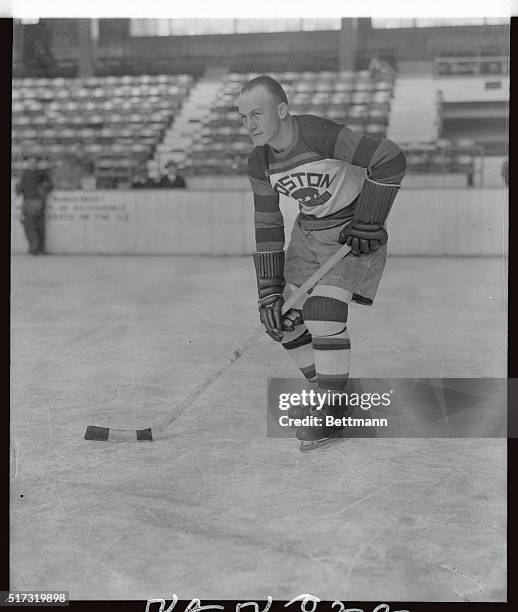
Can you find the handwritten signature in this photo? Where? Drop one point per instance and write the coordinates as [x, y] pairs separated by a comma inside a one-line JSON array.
[[308, 603]]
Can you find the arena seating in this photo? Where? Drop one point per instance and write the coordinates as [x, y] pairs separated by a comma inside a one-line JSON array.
[[474, 97], [444, 157], [115, 122], [355, 98], [118, 122], [362, 102]]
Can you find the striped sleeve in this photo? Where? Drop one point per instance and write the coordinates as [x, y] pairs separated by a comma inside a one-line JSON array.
[[268, 219], [383, 158]]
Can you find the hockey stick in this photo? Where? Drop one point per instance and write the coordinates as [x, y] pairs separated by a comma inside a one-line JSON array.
[[125, 435]]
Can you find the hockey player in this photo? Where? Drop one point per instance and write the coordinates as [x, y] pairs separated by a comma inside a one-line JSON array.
[[345, 183]]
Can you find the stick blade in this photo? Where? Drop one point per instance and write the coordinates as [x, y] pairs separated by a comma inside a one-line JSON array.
[[106, 434], [97, 433]]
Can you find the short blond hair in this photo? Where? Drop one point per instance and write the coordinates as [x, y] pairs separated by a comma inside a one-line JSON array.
[[269, 83]]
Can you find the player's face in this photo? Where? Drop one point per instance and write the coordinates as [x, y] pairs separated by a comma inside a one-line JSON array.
[[260, 113]]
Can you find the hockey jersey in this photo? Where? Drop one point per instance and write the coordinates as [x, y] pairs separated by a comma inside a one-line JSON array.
[[323, 169]]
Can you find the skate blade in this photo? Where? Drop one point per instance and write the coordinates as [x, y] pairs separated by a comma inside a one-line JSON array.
[[308, 445]]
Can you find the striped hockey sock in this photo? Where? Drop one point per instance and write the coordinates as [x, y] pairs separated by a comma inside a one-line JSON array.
[[332, 360], [299, 347], [325, 315]]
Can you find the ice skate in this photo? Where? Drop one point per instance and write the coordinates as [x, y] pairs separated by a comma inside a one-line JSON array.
[[317, 434]]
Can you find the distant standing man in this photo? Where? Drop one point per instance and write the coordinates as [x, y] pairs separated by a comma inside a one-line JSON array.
[[35, 185], [344, 183]]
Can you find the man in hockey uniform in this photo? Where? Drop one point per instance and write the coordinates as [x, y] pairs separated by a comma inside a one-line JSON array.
[[345, 183]]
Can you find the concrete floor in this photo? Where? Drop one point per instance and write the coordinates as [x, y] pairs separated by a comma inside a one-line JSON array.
[[215, 509]]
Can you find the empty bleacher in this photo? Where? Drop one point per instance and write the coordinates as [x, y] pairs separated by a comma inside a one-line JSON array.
[[450, 116], [187, 125], [121, 124], [112, 122], [474, 104], [222, 145], [444, 163]]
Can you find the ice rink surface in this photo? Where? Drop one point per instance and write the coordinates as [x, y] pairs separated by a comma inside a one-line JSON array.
[[215, 509]]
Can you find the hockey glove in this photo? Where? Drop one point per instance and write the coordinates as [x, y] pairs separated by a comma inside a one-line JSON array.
[[365, 233], [291, 319], [363, 237], [269, 268]]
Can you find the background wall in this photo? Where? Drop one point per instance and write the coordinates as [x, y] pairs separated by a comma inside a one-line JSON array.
[[51, 46], [423, 222], [474, 89]]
